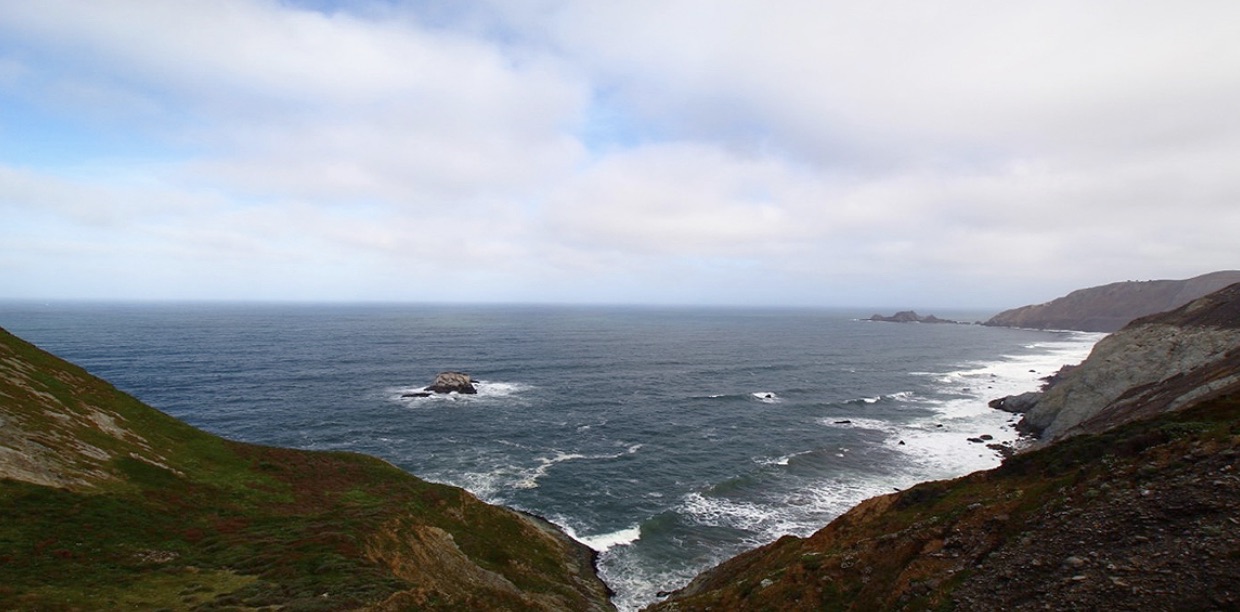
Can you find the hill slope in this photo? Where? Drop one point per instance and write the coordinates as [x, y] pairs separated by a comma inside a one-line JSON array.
[[1108, 308], [106, 503], [1137, 511]]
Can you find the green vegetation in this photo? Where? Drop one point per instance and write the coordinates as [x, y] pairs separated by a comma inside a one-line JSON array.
[[156, 514]]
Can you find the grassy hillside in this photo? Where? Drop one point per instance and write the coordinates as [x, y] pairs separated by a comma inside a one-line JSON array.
[[106, 503]]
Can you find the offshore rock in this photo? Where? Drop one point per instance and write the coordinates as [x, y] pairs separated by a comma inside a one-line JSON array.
[[909, 316], [453, 382]]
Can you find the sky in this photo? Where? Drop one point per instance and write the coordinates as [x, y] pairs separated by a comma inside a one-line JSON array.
[[960, 153]]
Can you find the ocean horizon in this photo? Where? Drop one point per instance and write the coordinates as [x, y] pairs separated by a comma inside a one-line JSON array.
[[667, 438]]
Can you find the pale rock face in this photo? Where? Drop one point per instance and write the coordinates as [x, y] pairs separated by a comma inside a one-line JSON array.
[[1134, 357], [449, 382]]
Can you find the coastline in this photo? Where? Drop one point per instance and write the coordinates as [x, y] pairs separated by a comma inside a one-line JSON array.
[[935, 445], [960, 433]]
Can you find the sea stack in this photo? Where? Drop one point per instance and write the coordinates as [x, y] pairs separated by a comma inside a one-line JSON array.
[[449, 382]]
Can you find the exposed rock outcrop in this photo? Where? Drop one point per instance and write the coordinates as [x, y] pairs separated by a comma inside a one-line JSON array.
[[1157, 363], [1108, 308], [1017, 404], [453, 382]]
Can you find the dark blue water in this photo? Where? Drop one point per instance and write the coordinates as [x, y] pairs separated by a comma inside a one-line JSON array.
[[669, 439]]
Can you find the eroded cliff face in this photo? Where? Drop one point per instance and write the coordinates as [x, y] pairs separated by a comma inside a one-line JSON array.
[[1155, 364], [1108, 308], [110, 504]]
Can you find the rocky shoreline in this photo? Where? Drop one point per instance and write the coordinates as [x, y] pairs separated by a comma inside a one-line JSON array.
[[1127, 500]]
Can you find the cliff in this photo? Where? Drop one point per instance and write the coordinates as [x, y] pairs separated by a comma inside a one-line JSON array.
[[1132, 507], [107, 503], [1110, 307], [1154, 364]]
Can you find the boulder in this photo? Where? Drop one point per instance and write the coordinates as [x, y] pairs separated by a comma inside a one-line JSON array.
[[1017, 404], [449, 382]]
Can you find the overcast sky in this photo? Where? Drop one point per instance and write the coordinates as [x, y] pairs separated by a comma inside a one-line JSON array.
[[959, 153]]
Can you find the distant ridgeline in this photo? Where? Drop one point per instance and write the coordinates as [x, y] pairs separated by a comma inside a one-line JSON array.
[[1128, 502], [1110, 307], [109, 504]]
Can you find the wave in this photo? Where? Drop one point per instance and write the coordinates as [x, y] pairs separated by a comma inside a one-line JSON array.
[[902, 396], [606, 541], [781, 460], [493, 485], [766, 397], [761, 519], [799, 510]]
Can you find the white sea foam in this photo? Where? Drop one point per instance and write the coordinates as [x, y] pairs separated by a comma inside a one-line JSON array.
[[606, 541], [782, 460], [493, 484], [497, 389], [799, 511], [487, 390], [939, 446], [862, 423], [891, 397], [758, 518]]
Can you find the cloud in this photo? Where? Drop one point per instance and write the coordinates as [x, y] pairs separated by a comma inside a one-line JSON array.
[[953, 74], [308, 102], [546, 150]]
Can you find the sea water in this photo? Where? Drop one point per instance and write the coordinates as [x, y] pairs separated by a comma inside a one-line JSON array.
[[668, 439]]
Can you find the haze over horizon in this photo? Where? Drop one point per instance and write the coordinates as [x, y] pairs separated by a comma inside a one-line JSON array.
[[972, 155]]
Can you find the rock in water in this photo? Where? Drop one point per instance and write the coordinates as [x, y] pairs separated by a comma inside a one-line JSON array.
[[448, 382], [1017, 404], [909, 316]]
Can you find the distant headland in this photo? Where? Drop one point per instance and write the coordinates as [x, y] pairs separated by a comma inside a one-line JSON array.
[[1108, 308]]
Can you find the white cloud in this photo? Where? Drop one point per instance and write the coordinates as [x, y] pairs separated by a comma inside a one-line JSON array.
[[953, 74], [641, 151]]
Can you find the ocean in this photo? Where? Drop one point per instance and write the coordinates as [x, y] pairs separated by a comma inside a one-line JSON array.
[[668, 439]]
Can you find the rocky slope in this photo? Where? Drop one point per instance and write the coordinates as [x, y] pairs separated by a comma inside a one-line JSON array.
[[1110, 307], [1136, 511], [1155, 364], [106, 503]]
